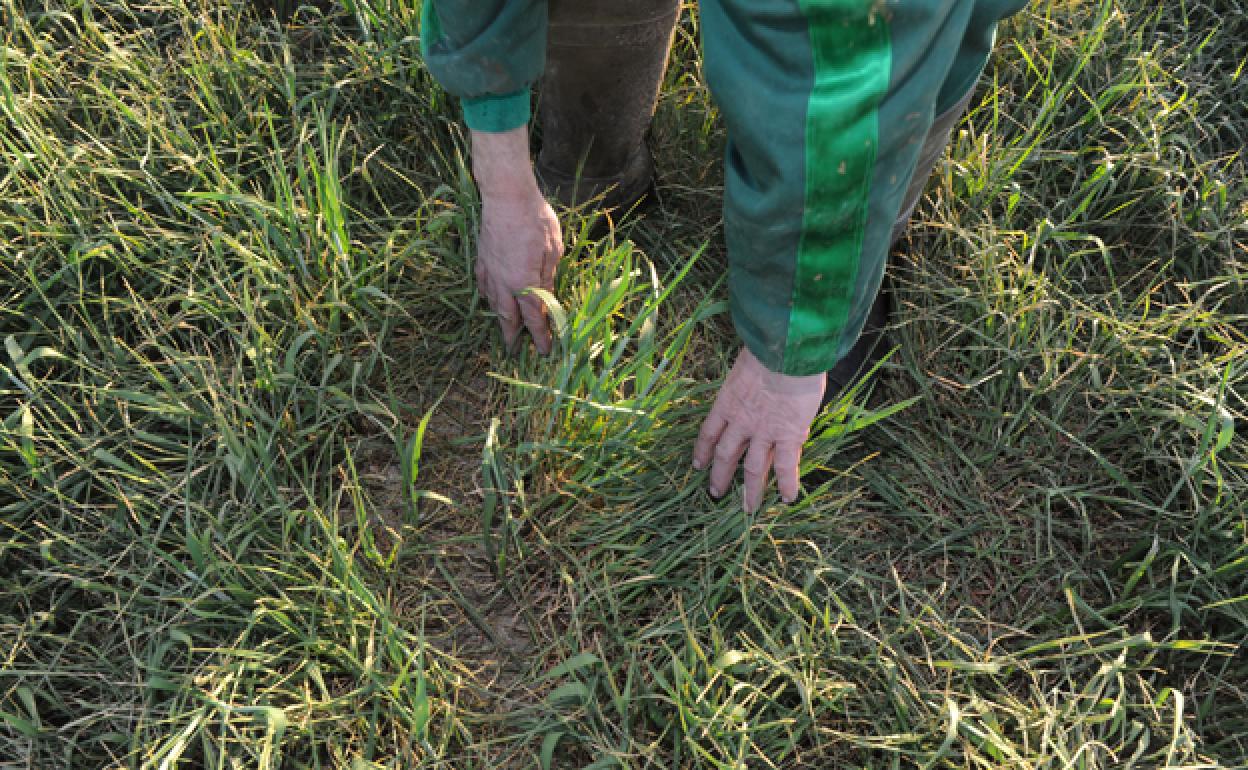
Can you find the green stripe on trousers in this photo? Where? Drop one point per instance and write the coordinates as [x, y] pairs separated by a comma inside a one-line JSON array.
[[852, 54]]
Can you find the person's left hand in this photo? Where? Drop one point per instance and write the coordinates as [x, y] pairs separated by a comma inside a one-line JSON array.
[[766, 417]]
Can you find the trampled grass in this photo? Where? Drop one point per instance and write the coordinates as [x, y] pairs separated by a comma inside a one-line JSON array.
[[273, 495]]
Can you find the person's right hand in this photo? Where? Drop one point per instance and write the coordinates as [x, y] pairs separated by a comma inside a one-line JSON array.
[[765, 417], [520, 242]]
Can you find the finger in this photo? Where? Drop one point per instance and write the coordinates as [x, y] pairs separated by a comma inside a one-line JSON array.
[[787, 458], [728, 451], [757, 463], [508, 312], [708, 436], [554, 253], [533, 311], [484, 291]]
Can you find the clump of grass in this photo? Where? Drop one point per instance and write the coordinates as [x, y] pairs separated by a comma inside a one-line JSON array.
[[195, 317]]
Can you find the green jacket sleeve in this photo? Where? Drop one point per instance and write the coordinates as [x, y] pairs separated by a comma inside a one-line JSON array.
[[827, 104], [489, 53]]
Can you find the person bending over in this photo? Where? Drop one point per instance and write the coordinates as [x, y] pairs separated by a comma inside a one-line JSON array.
[[835, 110]]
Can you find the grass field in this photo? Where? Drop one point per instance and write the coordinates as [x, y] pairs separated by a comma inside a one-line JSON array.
[[273, 495]]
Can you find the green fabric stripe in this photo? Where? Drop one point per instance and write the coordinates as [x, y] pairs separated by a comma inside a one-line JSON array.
[[852, 57]]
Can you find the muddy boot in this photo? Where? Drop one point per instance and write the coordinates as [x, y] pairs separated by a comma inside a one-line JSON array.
[[604, 63], [871, 346]]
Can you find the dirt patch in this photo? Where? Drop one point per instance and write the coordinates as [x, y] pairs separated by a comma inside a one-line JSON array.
[[448, 585]]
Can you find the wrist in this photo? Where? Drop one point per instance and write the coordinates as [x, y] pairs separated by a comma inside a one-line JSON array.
[[502, 167], [778, 382]]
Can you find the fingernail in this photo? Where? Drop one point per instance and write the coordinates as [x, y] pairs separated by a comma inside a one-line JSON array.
[[716, 493], [698, 465]]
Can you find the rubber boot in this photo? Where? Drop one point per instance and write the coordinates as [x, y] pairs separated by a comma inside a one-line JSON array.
[[604, 63], [865, 353]]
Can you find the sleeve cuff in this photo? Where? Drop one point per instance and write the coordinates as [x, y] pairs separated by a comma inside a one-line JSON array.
[[496, 114]]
